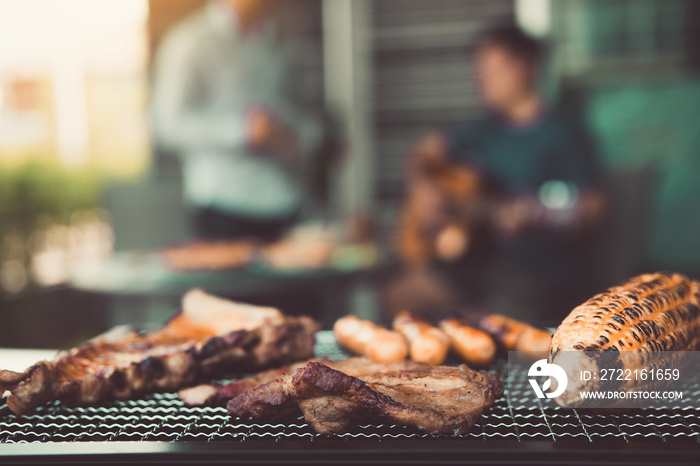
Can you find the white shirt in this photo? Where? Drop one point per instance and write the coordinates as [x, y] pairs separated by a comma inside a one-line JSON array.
[[207, 75]]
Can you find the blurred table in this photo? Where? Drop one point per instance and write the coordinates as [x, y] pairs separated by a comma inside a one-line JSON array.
[[144, 290]]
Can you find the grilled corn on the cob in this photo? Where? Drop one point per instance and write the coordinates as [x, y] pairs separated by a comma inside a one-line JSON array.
[[650, 312], [630, 326]]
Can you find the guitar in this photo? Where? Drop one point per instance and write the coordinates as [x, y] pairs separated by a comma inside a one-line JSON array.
[[466, 205]]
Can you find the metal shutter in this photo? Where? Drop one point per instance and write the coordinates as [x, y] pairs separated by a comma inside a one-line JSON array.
[[422, 77]]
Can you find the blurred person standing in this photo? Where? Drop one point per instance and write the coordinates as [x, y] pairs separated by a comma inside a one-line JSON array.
[[223, 100], [523, 176]]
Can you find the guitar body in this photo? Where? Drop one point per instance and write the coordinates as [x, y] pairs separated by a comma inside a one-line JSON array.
[[420, 242]]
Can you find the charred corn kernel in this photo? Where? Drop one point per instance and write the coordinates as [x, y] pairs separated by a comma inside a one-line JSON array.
[[650, 312]]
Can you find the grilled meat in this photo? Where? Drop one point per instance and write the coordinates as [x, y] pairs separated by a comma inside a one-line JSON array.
[[210, 337], [215, 393], [218, 393], [200, 255], [513, 335], [445, 400], [426, 343], [295, 254], [471, 344], [369, 339]]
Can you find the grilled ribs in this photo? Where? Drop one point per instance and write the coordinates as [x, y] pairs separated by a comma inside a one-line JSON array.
[[210, 337], [442, 400]]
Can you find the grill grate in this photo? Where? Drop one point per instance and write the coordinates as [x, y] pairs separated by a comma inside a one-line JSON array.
[[163, 417]]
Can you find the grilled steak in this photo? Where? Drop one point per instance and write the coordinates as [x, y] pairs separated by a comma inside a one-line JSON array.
[[444, 400], [208, 338], [219, 393]]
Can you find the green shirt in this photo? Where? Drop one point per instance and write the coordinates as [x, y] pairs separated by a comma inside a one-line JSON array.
[[519, 159]]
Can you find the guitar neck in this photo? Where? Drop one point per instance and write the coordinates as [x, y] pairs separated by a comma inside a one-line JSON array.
[[476, 211]]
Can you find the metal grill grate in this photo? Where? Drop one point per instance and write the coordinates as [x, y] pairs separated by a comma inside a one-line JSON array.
[[163, 417]]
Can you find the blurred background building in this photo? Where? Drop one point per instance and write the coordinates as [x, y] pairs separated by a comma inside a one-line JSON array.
[[78, 173]]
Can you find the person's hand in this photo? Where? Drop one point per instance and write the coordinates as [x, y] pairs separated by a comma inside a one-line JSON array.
[[265, 133], [516, 215], [452, 243], [261, 128]]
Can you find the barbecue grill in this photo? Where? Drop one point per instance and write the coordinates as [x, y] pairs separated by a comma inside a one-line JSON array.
[[161, 428]]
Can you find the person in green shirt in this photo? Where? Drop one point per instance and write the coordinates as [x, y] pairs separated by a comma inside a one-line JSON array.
[[541, 165]]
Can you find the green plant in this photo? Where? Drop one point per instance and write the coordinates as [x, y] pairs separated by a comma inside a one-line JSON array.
[[38, 193]]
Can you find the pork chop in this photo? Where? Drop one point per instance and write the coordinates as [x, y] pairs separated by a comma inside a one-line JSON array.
[[437, 399]]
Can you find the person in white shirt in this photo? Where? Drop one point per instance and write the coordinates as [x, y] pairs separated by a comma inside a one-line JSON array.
[[223, 101]]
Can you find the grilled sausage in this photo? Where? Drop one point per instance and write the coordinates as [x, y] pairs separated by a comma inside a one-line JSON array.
[[473, 345], [426, 343], [514, 335], [368, 339]]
